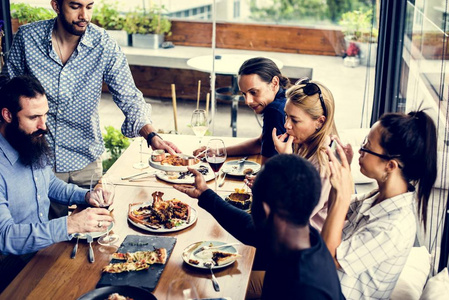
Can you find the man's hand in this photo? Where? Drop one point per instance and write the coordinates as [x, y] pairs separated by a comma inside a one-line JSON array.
[[99, 198], [89, 220], [158, 143], [199, 150], [197, 189], [280, 145]]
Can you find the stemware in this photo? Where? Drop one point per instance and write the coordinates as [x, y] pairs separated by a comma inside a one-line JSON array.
[[108, 189], [140, 165], [216, 156], [199, 123], [181, 289]]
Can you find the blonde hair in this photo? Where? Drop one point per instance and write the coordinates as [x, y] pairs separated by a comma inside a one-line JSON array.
[[312, 148]]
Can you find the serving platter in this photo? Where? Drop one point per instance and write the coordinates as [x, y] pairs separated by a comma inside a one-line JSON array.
[[169, 168], [189, 253]]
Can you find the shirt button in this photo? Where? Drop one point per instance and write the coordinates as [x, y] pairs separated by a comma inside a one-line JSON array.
[[38, 196], [60, 111], [41, 214], [35, 178]]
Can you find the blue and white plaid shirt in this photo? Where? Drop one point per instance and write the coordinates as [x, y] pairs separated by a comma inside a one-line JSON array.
[[74, 89]]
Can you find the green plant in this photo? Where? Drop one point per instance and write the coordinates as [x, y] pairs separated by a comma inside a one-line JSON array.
[[115, 142], [143, 22], [358, 26], [108, 16], [26, 13]]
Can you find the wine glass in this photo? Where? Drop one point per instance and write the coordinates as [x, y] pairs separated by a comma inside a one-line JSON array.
[[216, 156], [199, 123], [140, 165], [108, 189], [181, 289]]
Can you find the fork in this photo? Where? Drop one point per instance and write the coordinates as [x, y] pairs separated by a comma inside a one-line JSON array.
[[200, 249]]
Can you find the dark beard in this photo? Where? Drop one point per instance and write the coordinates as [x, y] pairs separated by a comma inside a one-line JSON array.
[[32, 148], [69, 27]]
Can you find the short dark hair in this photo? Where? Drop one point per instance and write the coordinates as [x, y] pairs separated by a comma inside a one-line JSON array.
[[290, 185], [265, 68], [17, 87]]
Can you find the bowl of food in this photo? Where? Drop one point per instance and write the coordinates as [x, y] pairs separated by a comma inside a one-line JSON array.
[[240, 199], [175, 163]]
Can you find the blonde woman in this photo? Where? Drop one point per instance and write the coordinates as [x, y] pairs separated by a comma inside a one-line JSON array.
[[309, 124]]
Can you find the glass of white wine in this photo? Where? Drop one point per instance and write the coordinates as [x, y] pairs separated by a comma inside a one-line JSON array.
[[199, 123]]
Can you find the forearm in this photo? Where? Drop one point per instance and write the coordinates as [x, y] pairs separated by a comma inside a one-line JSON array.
[[249, 147], [333, 226], [146, 130]]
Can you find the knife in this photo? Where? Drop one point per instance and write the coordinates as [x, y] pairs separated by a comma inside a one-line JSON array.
[[91, 250], [241, 162], [77, 235]]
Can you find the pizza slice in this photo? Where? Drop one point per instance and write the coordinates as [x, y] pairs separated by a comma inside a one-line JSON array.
[[126, 267], [156, 256], [222, 258]]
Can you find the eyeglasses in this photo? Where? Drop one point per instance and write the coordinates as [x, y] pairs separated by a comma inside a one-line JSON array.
[[310, 89], [383, 156]]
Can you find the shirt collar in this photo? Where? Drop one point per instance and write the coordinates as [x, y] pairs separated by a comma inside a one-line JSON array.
[[387, 206], [11, 154], [87, 38]]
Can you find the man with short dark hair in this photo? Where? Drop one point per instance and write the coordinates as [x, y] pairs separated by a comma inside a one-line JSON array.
[[297, 262], [72, 58], [28, 184]]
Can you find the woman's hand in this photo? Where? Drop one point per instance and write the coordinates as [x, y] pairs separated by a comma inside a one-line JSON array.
[[198, 151], [349, 153], [249, 180], [280, 145], [197, 189], [340, 177]]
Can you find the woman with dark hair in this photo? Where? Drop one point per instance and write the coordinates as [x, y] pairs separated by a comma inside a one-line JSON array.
[[263, 87], [371, 247]]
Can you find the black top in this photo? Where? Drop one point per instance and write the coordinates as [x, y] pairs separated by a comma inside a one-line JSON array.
[[273, 116], [305, 274]]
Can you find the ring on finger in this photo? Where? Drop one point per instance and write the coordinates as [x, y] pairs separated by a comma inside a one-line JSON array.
[[100, 224]]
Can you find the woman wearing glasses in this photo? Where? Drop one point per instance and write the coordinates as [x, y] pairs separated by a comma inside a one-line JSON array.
[[371, 235], [309, 124], [263, 87]]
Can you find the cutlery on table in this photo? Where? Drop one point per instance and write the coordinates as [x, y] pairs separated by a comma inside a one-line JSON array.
[[77, 235], [241, 163], [208, 264], [91, 250], [200, 249], [134, 175], [222, 180]]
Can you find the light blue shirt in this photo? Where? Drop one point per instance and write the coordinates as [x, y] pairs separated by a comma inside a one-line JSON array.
[[74, 89], [25, 195]]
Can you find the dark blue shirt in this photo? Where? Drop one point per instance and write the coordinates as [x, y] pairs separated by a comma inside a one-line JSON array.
[[273, 117]]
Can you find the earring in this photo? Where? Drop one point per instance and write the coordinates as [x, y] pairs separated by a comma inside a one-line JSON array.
[[385, 177]]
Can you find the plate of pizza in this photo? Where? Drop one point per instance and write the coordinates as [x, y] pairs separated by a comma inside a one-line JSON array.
[[221, 257], [175, 163], [162, 216]]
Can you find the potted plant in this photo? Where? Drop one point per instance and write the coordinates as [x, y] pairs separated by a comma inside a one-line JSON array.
[[108, 17], [22, 13], [115, 143], [351, 57], [147, 28], [358, 29]]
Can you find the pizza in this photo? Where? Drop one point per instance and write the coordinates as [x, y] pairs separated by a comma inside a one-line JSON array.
[[136, 261], [221, 258], [157, 256], [160, 214]]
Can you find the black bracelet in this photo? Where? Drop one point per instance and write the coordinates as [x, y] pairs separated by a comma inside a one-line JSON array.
[[150, 138]]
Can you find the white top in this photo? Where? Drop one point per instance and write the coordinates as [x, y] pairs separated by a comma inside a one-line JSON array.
[[225, 64], [375, 245]]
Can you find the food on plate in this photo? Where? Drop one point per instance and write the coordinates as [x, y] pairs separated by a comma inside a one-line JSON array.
[[182, 175], [248, 171], [156, 256], [117, 296], [158, 155], [179, 160], [194, 261], [136, 261], [221, 258], [240, 199], [160, 214]]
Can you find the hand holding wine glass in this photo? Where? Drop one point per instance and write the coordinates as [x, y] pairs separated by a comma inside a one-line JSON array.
[[199, 123], [108, 194], [216, 156]]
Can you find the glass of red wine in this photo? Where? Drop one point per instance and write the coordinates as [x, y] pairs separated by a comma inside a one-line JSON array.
[[216, 156]]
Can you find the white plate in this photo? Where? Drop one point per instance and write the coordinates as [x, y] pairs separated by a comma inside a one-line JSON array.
[[233, 168], [96, 234], [193, 217], [187, 254], [170, 168], [173, 177]]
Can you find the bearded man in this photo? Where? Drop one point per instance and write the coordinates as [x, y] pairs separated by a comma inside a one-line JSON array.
[[28, 184], [71, 58]]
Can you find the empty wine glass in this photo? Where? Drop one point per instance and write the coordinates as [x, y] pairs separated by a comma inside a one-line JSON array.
[[199, 123], [108, 192], [216, 156], [140, 165], [181, 289]]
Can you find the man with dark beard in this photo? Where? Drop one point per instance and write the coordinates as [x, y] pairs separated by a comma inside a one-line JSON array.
[[298, 264], [28, 184], [71, 58]]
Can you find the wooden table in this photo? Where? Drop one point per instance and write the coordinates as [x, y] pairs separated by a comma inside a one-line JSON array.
[[52, 274]]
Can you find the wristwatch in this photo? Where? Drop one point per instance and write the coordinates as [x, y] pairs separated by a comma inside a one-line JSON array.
[[151, 136]]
